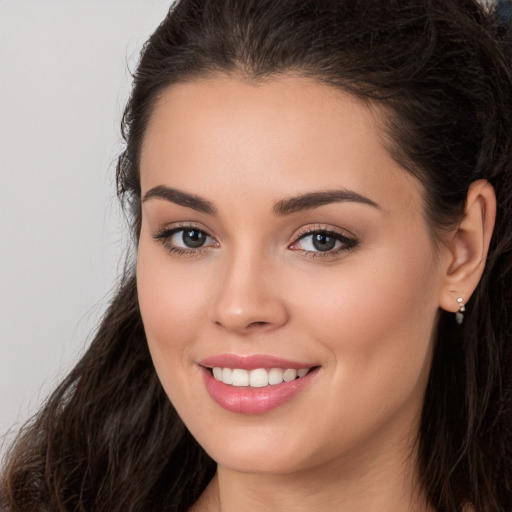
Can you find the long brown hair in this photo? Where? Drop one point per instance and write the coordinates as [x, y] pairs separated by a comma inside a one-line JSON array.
[[108, 439]]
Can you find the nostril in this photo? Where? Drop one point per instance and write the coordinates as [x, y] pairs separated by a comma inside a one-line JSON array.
[[257, 324]]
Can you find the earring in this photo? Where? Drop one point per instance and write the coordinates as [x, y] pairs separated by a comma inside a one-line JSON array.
[[459, 315]]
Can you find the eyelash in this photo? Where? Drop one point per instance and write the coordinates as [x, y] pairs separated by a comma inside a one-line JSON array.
[[346, 242], [166, 234]]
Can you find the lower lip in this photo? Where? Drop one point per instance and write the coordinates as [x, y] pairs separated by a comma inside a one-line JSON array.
[[247, 400]]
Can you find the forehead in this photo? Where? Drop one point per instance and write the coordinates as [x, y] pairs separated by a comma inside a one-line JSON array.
[[284, 136]]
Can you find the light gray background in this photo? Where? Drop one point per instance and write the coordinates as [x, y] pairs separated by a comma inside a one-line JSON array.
[[63, 83]]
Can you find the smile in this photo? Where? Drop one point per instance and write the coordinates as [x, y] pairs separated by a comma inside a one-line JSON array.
[[259, 377], [255, 384]]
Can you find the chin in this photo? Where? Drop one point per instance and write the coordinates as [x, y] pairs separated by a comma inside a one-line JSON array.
[[266, 449], [257, 461]]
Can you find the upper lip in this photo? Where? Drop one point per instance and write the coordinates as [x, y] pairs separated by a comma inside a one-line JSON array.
[[251, 362]]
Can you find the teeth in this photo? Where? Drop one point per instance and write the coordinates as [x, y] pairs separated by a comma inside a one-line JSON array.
[[257, 378], [275, 376], [227, 376], [240, 377], [289, 375]]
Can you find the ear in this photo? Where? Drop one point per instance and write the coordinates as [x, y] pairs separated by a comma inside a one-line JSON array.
[[468, 245]]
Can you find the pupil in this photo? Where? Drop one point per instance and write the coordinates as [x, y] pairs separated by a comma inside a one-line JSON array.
[[323, 242], [193, 238]]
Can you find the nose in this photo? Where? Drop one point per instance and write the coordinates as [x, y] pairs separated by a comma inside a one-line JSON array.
[[249, 296]]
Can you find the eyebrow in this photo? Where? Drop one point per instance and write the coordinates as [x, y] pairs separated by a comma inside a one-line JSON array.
[[284, 207], [182, 198], [316, 199]]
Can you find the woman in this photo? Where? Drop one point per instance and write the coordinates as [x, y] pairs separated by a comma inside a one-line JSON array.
[[319, 314]]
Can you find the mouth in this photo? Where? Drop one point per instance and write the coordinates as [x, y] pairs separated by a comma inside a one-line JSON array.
[[258, 377], [255, 384]]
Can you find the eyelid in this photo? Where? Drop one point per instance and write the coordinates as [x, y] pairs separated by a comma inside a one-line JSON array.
[[348, 240], [164, 235], [324, 228], [176, 226]]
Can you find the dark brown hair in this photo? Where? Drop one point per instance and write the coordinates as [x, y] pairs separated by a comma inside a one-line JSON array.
[[108, 439]]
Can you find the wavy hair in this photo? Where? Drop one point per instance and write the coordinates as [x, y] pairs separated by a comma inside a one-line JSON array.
[[108, 439]]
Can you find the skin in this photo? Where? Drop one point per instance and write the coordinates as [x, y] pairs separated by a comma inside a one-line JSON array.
[[366, 315]]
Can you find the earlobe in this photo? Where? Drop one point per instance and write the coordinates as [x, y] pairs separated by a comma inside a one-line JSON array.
[[468, 246]]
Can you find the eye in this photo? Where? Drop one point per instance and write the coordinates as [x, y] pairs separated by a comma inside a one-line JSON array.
[[188, 239], [323, 241]]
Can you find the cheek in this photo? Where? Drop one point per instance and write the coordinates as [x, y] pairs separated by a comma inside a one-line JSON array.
[[170, 304], [368, 307], [377, 320], [391, 289], [171, 310]]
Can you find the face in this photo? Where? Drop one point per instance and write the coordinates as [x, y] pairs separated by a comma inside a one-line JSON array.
[[281, 242]]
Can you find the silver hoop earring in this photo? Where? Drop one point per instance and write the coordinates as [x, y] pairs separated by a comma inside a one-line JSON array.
[[459, 315]]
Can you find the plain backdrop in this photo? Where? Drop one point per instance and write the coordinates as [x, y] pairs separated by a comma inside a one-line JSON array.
[[64, 80]]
